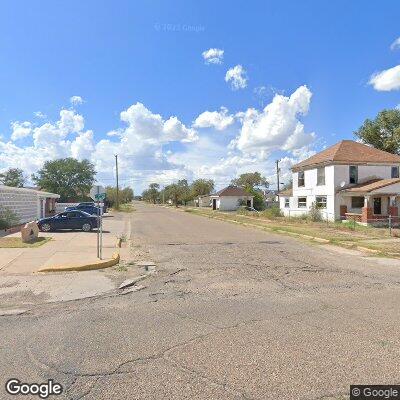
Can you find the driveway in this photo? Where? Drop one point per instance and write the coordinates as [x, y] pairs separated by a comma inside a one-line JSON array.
[[233, 313], [22, 286]]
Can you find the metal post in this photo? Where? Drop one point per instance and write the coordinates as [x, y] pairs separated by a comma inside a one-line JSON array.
[[98, 231], [116, 173], [101, 233]]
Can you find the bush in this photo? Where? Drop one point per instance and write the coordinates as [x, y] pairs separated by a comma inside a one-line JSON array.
[[314, 214], [7, 218], [272, 212]]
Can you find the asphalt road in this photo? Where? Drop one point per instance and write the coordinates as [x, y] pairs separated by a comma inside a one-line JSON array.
[[233, 313]]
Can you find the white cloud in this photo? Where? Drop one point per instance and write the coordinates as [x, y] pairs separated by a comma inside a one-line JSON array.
[[76, 100], [395, 45], [83, 145], [153, 147], [145, 125], [386, 80], [39, 114], [219, 120], [277, 126], [213, 56], [20, 130], [237, 77]]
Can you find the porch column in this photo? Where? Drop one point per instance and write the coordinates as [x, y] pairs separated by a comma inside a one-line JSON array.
[[366, 211], [393, 209]]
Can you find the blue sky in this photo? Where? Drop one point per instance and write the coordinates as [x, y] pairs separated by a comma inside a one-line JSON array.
[[145, 60]]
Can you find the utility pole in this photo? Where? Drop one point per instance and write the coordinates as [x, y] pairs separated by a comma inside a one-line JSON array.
[[277, 177], [116, 172]]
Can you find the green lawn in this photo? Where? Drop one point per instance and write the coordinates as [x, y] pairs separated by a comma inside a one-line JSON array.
[[15, 242]]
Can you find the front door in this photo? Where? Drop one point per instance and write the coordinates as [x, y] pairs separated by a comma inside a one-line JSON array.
[[214, 204], [248, 203], [377, 205]]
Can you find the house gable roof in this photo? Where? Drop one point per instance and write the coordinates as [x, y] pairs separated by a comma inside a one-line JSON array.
[[348, 152], [231, 191]]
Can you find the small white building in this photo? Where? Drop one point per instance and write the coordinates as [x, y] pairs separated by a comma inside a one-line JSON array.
[[349, 180], [203, 201], [27, 204], [230, 199]]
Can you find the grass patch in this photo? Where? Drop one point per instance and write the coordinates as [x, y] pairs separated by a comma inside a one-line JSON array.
[[338, 233], [15, 242], [128, 208]]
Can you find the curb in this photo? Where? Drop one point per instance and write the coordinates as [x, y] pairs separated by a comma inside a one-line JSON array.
[[87, 267]]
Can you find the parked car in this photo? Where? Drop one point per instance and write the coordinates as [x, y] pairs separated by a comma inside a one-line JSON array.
[[92, 210], [83, 206], [251, 209], [74, 219]]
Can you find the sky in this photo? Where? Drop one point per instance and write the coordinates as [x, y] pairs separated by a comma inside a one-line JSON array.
[[189, 89]]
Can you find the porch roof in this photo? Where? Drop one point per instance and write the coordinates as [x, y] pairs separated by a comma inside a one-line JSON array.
[[374, 186]]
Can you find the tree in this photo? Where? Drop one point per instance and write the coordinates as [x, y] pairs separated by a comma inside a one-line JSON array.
[[152, 193], [201, 187], [174, 192], [186, 194], [250, 180], [13, 177], [383, 132], [125, 195], [258, 198], [68, 177]]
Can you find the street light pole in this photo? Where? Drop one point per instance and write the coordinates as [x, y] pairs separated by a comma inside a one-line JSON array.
[[277, 177]]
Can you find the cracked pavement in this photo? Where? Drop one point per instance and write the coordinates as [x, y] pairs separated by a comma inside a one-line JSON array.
[[232, 313]]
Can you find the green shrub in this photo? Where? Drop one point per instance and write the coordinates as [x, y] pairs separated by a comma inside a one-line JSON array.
[[7, 218], [272, 212], [314, 214]]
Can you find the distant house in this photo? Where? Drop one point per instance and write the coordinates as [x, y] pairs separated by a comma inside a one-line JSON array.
[[270, 198], [203, 201], [230, 199], [349, 180], [27, 204]]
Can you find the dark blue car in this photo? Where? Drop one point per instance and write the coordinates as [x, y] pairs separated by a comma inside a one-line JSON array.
[[86, 208], [74, 219]]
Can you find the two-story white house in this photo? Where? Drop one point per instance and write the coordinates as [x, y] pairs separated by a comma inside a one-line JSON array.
[[349, 180]]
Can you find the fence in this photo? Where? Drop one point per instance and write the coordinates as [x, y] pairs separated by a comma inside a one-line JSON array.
[[392, 223]]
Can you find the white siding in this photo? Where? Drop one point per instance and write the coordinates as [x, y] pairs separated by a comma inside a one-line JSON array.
[[231, 203], [27, 204], [336, 176], [311, 190], [22, 203]]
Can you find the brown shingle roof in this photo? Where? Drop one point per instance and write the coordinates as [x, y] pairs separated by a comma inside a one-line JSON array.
[[349, 151], [372, 185], [231, 191]]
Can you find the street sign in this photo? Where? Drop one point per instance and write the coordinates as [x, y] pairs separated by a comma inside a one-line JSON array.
[[98, 193]]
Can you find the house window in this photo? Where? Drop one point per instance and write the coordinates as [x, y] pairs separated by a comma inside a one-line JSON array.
[[321, 176], [395, 172], [357, 202], [287, 202], [320, 201], [300, 178], [353, 173], [302, 202]]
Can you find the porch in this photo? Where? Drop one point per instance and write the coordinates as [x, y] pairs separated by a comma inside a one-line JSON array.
[[373, 202]]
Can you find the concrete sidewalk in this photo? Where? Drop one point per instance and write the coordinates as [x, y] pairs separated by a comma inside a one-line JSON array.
[[65, 248]]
